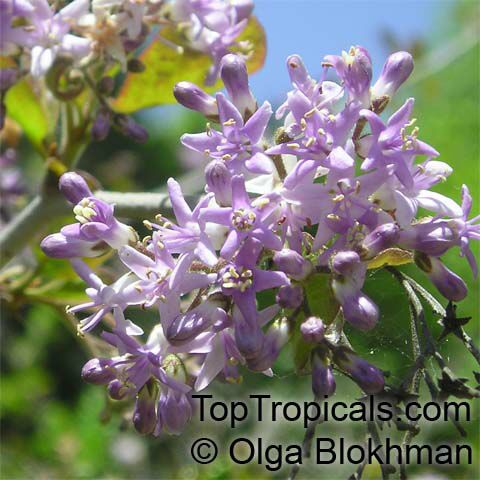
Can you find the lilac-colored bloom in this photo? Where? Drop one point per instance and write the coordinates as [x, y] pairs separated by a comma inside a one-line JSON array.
[[238, 144], [245, 218], [393, 144], [241, 279], [395, 72]]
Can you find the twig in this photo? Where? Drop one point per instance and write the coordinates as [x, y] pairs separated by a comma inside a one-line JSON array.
[[43, 208]]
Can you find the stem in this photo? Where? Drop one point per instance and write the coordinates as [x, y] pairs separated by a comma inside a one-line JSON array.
[[45, 208]]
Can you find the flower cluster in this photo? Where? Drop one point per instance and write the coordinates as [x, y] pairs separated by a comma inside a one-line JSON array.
[[60, 40], [335, 188]]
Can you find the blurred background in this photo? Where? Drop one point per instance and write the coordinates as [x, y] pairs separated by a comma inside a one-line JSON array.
[[55, 426]]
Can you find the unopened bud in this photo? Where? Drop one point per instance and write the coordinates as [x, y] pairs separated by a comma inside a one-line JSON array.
[[293, 264], [369, 378], [98, 371], [448, 283], [144, 415], [119, 390], [234, 74], [290, 296], [101, 125], [131, 129], [73, 187], [219, 181], [395, 72], [312, 330], [323, 381], [345, 263], [379, 239], [249, 338], [193, 97]]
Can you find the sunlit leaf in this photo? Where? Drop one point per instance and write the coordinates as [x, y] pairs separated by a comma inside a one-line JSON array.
[[24, 107], [392, 257], [166, 67]]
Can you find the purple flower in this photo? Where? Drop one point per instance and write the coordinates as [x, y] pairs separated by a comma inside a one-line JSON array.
[[193, 97], [96, 227], [393, 143], [190, 235], [246, 219], [241, 279], [293, 264], [238, 142], [355, 69]]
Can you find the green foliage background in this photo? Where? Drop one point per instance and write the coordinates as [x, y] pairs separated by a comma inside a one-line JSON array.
[[53, 426]]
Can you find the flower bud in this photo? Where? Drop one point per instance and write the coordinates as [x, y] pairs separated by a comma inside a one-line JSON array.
[[448, 283], [397, 69], [290, 296], [293, 264], [360, 311], [144, 415], [219, 181], [369, 378], [379, 239], [74, 187], [345, 263], [312, 330], [298, 73], [98, 371], [101, 125], [174, 411], [234, 74], [323, 381], [119, 390], [193, 97], [57, 245], [131, 129]]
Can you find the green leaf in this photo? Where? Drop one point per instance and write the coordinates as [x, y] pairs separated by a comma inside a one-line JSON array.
[[320, 297], [166, 67], [24, 107]]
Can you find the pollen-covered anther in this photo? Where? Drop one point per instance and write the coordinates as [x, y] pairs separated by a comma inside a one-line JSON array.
[[310, 142], [294, 146], [226, 157], [148, 224], [338, 198], [84, 211], [240, 280], [260, 203], [243, 220], [229, 123], [332, 216]]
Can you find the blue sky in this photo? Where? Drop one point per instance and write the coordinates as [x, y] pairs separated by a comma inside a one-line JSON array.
[[314, 28]]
